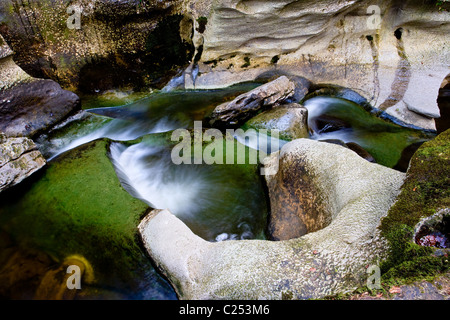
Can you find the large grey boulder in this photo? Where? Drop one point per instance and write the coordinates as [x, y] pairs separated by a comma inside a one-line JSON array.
[[32, 107], [355, 194], [248, 104], [19, 159]]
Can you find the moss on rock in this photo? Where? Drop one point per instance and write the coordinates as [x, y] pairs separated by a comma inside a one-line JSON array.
[[426, 191]]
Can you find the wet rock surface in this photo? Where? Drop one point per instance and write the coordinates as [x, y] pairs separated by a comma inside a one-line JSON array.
[[335, 43], [34, 106], [104, 43], [437, 289]]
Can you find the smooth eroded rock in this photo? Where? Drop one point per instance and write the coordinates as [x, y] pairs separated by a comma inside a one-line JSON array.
[[355, 193]]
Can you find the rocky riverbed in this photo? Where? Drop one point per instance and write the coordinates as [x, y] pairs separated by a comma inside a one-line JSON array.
[[344, 105]]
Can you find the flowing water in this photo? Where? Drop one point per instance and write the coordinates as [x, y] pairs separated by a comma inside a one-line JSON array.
[[332, 118], [50, 217], [218, 202]]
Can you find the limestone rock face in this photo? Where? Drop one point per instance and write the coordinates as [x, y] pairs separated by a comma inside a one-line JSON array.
[[354, 193], [248, 104], [19, 158], [376, 48]]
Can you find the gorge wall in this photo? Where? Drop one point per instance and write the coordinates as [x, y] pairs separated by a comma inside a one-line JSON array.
[[393, 53]]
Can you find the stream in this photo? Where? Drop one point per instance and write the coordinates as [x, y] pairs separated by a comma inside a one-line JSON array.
[[218, 202]]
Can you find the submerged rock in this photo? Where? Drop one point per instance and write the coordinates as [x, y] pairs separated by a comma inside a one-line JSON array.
[[65, 282], [290, 120], [354, 195], [248, 104], [19, 159], [360, 151]]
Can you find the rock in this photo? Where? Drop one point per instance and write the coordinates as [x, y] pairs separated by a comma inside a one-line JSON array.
[[290, 120], [443, 123], [355, 194], [115, 43], [31, 107], [407, 154], [28, 105], [21, 272], [248, 104], [10, 71], [420, 291], [423, 201], [437, 289], [325, 123], [354, 147], [298, 199], [19, 159], [435, 228]]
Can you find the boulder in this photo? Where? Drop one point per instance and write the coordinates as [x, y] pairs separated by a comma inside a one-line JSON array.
[[10, 71], [248, 104], [354, 194], [360, 151], [19, 159], [31, 107], [290, 120]]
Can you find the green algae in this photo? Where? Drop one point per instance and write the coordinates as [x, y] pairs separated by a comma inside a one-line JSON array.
[[78, 207]]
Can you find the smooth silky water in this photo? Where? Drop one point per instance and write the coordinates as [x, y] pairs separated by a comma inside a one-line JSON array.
[[218, 202]]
